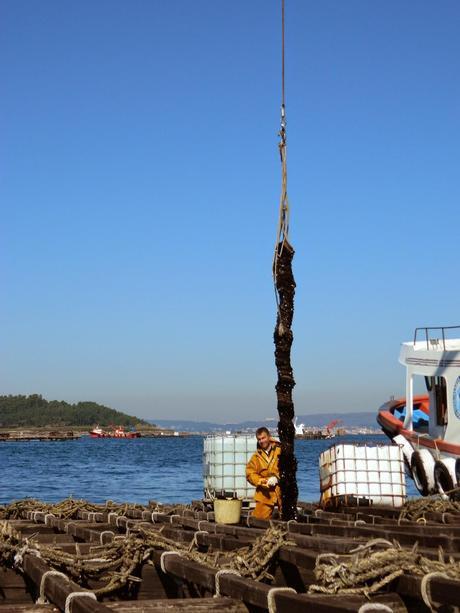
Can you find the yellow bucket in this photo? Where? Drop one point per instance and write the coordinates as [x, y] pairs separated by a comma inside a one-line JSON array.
[[227, 511]]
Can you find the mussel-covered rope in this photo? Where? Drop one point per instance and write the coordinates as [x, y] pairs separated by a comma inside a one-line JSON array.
[[284, 291]]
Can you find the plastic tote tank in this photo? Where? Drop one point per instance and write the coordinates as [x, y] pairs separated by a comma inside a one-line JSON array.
[[375, 474], [224, 464]]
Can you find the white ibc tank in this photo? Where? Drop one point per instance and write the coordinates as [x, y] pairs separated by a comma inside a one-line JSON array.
[[224, 464], [374, 473]]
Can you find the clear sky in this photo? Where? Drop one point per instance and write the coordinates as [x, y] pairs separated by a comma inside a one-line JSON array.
[[139, 187]]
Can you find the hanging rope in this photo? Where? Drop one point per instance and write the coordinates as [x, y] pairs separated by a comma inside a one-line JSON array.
[[283, 225], [284, 283]]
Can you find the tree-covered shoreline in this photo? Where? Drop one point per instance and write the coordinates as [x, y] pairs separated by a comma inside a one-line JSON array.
[[36, 411]]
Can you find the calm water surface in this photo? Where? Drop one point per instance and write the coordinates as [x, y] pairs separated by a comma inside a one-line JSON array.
[[137, 470]]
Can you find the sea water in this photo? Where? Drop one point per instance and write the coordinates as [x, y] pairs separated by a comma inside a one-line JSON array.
[[166, 469]]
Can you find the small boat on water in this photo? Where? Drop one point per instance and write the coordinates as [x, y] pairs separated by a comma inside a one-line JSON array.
[[117, 432], [98, 432], [329, 431], [427, 426], [120, 432]]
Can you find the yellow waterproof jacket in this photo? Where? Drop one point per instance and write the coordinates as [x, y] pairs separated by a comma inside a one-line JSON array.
[[259, 468]]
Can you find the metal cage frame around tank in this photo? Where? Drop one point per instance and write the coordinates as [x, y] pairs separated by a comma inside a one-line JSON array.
[[224, 465]]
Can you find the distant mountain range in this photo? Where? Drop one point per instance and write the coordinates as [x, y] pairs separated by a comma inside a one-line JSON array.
[[348, 420]]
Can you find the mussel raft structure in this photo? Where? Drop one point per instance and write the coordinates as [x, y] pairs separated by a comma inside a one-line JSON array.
[[80, 557]]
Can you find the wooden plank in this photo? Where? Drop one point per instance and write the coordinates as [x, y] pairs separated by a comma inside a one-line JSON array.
[[27, 608], [28, 529], [15, 595], [153, 584], [57, 589], [432, 536], [443, 591], [250, 592], [297, 556], [239, 531], [319, 544], [375, 510], [93, 517], [412, 527], [404, 538], [324, 544], [10, 578], [179, 605], [320, 603], [53, 538], [187, 570], [326, 516], [443, 518], [247, 590]]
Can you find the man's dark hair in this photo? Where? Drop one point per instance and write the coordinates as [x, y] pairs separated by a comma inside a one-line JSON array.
[[261, 430]]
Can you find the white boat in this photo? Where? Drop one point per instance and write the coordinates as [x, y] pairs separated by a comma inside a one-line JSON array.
[[428, 426], [299, 429]]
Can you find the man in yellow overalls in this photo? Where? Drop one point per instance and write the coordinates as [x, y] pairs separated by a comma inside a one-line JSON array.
[[262, 471]]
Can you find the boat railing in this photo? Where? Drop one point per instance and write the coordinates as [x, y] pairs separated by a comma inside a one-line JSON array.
[[434, 342]]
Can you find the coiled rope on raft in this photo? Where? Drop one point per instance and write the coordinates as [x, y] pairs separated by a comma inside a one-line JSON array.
[[418, 508], [118, 563], [366, 570], [71, 508]]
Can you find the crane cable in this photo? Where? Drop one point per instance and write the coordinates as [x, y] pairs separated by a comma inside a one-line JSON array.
[[282, 235]]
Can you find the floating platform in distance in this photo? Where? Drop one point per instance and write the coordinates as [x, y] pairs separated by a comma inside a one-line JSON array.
[[38, 435], [61, 434]]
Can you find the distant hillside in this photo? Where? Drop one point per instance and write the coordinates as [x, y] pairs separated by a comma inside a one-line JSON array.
[[35, 411], [350, 420]]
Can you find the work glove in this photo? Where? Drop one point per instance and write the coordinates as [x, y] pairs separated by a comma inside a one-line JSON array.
[[272, 481]]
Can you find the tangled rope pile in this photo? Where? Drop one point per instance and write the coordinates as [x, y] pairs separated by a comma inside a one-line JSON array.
[[416, 509], [366, 570], [113, 563], [71, 508], [253, 560], [117, 564]]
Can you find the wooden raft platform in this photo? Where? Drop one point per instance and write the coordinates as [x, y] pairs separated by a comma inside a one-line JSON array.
[[36, 435], [173, 583]]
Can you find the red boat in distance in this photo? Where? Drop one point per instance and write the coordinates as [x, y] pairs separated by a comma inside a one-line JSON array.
[[117, 432]]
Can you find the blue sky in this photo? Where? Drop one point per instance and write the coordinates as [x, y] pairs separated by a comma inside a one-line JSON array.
[[139, 187]]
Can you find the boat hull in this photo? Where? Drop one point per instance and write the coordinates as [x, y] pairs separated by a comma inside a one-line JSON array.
[[433, 463], [392, 426]]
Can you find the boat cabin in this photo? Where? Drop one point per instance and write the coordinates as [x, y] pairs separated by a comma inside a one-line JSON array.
[[437, 359]]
